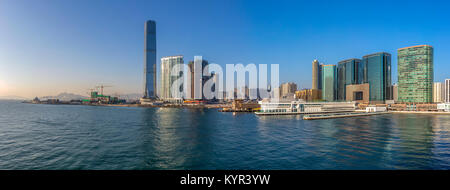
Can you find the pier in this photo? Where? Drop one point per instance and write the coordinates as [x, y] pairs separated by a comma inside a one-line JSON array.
[[339, 115]]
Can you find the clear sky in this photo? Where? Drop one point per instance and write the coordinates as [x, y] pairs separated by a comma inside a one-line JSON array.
[[53, 46]]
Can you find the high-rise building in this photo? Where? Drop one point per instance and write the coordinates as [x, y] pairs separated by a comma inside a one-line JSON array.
[[190, 78], [316, 75], [320, 76], [167, 77], [287, 88], [197, 67], [216, 86], [329, 82], [395, 92], [415, 74], [447, 91], [377, 72], [150, 60], [347, 74], [438, 92]]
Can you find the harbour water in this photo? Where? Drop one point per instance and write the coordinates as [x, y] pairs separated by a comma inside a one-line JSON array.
[[38, 136]]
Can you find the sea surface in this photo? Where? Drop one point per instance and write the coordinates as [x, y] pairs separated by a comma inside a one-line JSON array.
[[55, 137]]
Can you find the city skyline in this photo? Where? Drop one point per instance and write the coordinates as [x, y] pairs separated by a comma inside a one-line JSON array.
[[111, 51]]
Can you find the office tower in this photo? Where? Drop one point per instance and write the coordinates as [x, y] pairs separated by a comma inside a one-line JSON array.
[[320, 76], [316, 75], [167, 66], [438, 92], [329, 82], [361, 70], [347, 74], [150, 60], [447, 91], [377, 72], [287, 88], [415, 74]]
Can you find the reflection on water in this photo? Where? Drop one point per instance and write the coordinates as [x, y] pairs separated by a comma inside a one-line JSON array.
[[85, 137]]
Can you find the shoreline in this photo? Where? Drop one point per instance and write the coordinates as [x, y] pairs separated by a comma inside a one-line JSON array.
[[421, 112], [220, 106], [207, 106]]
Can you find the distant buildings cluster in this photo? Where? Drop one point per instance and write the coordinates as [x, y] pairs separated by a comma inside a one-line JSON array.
[[368, 80], [362, 80], [441, 91]]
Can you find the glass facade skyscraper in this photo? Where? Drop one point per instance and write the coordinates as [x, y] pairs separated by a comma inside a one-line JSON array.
[[150, 60], [329, 82], [316, 75], [415, 74], [347, 74], [377, 72]]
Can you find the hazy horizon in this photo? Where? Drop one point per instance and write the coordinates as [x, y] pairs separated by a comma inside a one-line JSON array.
[[49, 47]]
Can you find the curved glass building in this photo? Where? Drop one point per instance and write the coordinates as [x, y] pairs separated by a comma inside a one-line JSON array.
[[415, 74]]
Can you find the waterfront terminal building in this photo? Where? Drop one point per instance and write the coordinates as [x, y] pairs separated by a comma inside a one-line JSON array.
[[301, 107]]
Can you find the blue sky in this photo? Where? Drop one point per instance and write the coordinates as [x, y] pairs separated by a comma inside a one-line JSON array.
[[52, 46]]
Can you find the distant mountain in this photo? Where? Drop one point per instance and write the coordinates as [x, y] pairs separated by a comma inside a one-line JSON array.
[[12, 98], [70, 96], [65, 97]]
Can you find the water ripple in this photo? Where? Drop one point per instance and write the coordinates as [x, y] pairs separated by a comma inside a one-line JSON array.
[[85, 137]]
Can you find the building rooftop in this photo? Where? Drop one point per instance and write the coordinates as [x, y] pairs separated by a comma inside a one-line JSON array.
[[348, 60], [414, 47], [175, 56], [376, 54]]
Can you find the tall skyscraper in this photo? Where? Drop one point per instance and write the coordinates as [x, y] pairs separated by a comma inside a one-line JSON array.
[[190, 78], [377, 72], [329, 82], [150, 60], [167, 78], [438, 92], [197, 67], [316, 75], [447, 91], [347, 74], [415, 74], [320, 76]]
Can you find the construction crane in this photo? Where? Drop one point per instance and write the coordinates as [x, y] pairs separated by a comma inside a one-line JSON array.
[[101, 88], [90, 91]]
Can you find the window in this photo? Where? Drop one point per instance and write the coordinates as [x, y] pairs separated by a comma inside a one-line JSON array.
[[358, 95]]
